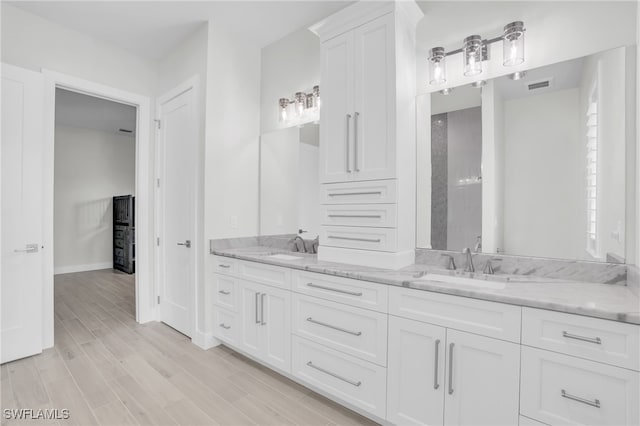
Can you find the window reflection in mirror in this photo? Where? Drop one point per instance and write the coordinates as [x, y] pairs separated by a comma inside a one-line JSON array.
[[534, 166]]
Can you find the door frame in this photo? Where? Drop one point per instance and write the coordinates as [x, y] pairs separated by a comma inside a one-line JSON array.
[[144, 278], [191, 84]]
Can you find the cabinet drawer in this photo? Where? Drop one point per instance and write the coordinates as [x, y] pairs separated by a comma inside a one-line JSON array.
[[376, 215], [491, 319], [380, 239], [352, 292], [266, 274], [225, 326], [560, 389], [601, 340], [370, 192], [225, 265], [225, 291], [354, 381], [526, 421], [355, 331]]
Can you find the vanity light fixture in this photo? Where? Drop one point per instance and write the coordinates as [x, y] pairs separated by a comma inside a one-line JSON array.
[[302, 108], [475, 51], [446, 91], [479, 84]]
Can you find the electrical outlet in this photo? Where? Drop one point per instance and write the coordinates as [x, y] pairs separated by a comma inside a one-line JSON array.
[[233, 222]]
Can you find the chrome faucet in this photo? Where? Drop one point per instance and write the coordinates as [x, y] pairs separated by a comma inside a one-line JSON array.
[[451, 264], [469, 267]]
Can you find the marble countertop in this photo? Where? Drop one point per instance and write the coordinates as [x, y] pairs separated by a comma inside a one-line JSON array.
[[607, 301]]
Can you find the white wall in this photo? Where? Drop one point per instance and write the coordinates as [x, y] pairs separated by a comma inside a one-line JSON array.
[[32, 42], [90, 167], [637, 178], [289, 65], [544, 176], [556, 31]]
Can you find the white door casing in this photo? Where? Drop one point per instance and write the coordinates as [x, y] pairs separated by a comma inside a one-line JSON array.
[[22, 225], [177, 178]]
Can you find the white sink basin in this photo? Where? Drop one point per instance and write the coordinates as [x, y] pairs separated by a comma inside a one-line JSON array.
[[284, 257], [452, 279]]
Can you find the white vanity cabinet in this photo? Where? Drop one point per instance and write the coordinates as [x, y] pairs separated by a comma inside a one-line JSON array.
[[252, 316], [439, 375], [358, 76]]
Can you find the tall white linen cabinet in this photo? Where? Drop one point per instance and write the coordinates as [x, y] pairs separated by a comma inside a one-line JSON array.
[[367, 134]]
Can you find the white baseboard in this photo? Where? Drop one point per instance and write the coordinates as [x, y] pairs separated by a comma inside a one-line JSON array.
[[374, 259], [81, 268], [204, 340]]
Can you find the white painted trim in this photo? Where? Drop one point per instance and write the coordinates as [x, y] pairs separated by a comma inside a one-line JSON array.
[[199, 338], [82, 268], [205, 340], [145, 294]]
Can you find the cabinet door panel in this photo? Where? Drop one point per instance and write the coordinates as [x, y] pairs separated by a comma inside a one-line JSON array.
[[374, 100], [484, 384], [276, 328], [250, 327], [415, 392], [337, 102]]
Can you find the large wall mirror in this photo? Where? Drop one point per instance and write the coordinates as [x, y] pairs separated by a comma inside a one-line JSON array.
[[289, 181], [531, 164]]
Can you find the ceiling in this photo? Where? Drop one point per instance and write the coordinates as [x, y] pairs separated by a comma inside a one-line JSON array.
[[151, 29], [78, 110]]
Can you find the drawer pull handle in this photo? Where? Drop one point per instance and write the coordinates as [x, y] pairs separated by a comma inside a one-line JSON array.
[[346, 142], [222, 265], [436, 385], [358, 216], [351, 382], [337, 290], [594, 403], [324, 324], [366, 240], [226, 327], [226, 293], [451, 345], [595, 340], [340, 194]]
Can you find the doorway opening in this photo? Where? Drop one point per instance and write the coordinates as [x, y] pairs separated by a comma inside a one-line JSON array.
[[94, 210]]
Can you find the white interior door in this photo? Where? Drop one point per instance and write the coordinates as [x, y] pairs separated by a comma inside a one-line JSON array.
[[177, 189], [22, 191]]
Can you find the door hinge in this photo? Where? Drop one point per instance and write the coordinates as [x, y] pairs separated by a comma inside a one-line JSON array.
[[158, 300], [158, 122], [157, 241], [158, 182]]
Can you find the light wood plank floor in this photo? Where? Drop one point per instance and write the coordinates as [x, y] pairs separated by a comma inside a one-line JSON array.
[[108, 370]]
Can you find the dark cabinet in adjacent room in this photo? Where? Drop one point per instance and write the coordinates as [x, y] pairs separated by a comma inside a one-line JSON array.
[[124, 244]]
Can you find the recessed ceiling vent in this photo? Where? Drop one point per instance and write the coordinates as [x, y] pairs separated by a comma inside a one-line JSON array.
[[540, 84], [125, 131]]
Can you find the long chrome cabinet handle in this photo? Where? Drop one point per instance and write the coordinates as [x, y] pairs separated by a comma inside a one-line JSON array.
[[436, 385], [347, 143], [337, 376], [226, 327], [337, 290], [262, 321], [340, 194], [366, 240], [594, 403], [358, 216], [595, 340], [355, 141], [344, 330], [257, 318], [451, 345], [226, 293]]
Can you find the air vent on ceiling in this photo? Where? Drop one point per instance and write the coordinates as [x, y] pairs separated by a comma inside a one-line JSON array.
[[539, 85], [125, 131]]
